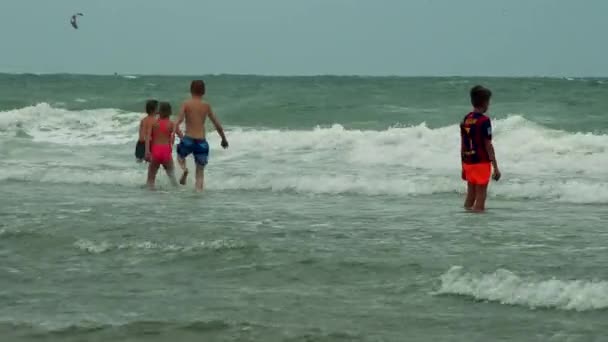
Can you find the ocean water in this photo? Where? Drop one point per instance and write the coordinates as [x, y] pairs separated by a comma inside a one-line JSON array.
[[335, 215]]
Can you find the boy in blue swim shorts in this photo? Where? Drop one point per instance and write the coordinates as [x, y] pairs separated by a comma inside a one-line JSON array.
[[195, 112]]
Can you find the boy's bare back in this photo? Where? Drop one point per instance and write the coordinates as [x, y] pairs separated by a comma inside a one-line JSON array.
[[196, 112]]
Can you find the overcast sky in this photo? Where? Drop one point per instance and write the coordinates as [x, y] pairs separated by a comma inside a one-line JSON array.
[[307, 37]]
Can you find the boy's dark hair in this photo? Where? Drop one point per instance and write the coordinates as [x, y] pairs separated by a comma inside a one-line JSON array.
[[480, 96], [165, 109], [197, 87], [151, 106]]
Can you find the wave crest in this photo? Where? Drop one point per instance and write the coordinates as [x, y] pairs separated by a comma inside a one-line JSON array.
[[537, 162], [44, 123], [93, 247], [505, 287]]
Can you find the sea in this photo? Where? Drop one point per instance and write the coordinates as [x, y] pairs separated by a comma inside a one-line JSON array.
[[335, 214]]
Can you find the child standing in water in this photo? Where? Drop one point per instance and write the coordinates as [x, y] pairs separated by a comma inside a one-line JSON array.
[[195, 112], [477, 151], [144, 126], [159, 143]]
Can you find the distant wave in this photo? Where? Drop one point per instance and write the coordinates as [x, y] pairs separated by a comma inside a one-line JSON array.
[[45, 123], [134, 329], [7, 233], [142, 330], [103, 247], [505, 287]]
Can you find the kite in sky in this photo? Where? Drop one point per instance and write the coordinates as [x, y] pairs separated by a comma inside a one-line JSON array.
[[73, 20]]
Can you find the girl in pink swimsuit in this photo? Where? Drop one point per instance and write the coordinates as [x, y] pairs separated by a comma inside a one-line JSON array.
[[159, 144]]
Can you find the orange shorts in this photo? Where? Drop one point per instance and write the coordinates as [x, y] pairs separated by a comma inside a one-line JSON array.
[[477, 174]]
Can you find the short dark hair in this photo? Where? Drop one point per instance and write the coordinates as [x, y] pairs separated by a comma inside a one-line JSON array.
[[197, 87], [165, 109], [151, 106], [480, 96]]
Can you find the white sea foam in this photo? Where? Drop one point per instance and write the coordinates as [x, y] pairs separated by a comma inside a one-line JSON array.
[[505, 287], [568, 191], [60, 126], [94, 247], [573, 191], [537, 162]]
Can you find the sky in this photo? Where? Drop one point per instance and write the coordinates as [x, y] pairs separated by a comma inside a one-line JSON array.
[[307, 37]]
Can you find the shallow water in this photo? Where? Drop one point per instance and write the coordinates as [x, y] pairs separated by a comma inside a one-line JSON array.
[[351, 231]]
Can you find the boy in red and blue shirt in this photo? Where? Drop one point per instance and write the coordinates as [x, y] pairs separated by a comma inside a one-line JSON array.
[[477, 151]]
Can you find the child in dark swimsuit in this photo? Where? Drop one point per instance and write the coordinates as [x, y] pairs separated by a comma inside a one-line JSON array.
[[144, 125], [159, 144]]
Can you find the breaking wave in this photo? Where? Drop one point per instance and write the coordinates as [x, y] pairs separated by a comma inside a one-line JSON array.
[[537, 162], [505, 287]]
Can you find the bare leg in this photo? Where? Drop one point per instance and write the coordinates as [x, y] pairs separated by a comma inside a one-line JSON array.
[[182, 165], [200, 177], [470, 199], [480, 197], [152, 170], [170, 170]]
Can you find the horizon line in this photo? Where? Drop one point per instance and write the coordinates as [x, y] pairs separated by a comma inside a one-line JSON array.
[[296, 75]]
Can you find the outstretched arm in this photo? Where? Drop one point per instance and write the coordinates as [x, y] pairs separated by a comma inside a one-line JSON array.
[[218, 127]]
